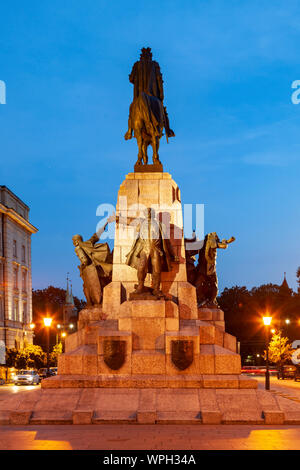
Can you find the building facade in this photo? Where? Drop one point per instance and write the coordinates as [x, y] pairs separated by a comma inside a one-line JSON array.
[[15, 271]]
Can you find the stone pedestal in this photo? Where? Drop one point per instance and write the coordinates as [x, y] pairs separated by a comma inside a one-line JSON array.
[[138, 192], [152, 361]]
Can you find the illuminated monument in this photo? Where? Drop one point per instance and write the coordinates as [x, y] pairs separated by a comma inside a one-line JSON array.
[[151, 345]]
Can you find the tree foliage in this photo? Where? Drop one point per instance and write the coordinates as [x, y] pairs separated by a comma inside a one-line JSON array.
[[280, 349], [32, 356], [50, 301], [244, 309], [57, 350]]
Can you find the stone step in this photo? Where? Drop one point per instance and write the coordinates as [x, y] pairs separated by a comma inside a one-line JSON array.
[[150, 406], [141, 381]]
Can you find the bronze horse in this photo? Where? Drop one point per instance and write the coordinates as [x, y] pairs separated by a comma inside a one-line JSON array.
[[147, 115]]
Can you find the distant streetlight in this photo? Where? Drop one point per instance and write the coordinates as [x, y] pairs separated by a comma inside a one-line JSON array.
[[267, 322], [47, 323], [32, 326]]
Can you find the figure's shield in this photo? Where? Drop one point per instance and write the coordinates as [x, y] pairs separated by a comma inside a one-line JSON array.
[[114, 353], [182, 353]]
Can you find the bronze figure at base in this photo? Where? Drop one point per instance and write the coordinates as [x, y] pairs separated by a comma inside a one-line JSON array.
[[96, 265], [151, 253], [204, 275]]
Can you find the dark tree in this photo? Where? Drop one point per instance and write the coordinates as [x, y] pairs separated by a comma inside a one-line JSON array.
[[50, 301], [244, 309]]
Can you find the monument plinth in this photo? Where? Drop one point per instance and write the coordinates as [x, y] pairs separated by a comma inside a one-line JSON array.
[[155, 342]]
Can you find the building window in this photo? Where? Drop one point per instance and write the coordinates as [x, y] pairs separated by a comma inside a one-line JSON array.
[[23, 254], [25, 319], [16, 310], [15, 278], [15, 248], [24, 281]]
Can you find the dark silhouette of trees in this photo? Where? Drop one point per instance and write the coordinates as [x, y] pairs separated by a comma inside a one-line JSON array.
[[50, 301], [244, 309]]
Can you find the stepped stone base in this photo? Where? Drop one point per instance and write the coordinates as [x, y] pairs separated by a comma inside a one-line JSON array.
[[150, 381], [139, 349], [148, 406]]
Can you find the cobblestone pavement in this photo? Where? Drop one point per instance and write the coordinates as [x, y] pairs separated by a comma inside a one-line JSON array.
[[150, 437]]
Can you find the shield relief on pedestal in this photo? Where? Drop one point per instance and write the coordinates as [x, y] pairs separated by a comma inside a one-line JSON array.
[[182, 353], [114, 352]]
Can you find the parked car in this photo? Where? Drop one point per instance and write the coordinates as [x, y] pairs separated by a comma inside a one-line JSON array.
[[44, 373], [287, 371], [54, 370], [27, 377], [297, 373], [2, 381]]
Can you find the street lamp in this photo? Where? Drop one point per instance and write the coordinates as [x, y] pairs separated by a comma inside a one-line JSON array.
[[47, 323], [267, 322]]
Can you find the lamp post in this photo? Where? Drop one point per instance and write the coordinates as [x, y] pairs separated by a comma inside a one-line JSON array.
[[267, 322], [47, 323], [63, 337]]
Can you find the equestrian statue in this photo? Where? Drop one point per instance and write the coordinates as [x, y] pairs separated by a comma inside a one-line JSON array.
[[148, 116]]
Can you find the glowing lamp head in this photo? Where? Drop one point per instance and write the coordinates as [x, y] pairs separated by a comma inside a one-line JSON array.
[[267, 321], [287, 321], [47, 321], [64, 334], [32, 326]]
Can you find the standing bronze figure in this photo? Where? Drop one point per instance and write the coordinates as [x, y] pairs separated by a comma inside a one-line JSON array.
[[204, 275], [151, 252], [147, 114], [206, 281]]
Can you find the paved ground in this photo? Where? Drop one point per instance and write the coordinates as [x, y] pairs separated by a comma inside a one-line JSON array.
[[150, 437], [286, 388], [155, 437], [10, 389]]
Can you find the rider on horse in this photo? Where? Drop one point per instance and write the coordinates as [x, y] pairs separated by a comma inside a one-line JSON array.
[[147, 115]]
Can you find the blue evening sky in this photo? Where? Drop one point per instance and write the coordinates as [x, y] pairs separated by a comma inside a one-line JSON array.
[[228, 67]]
